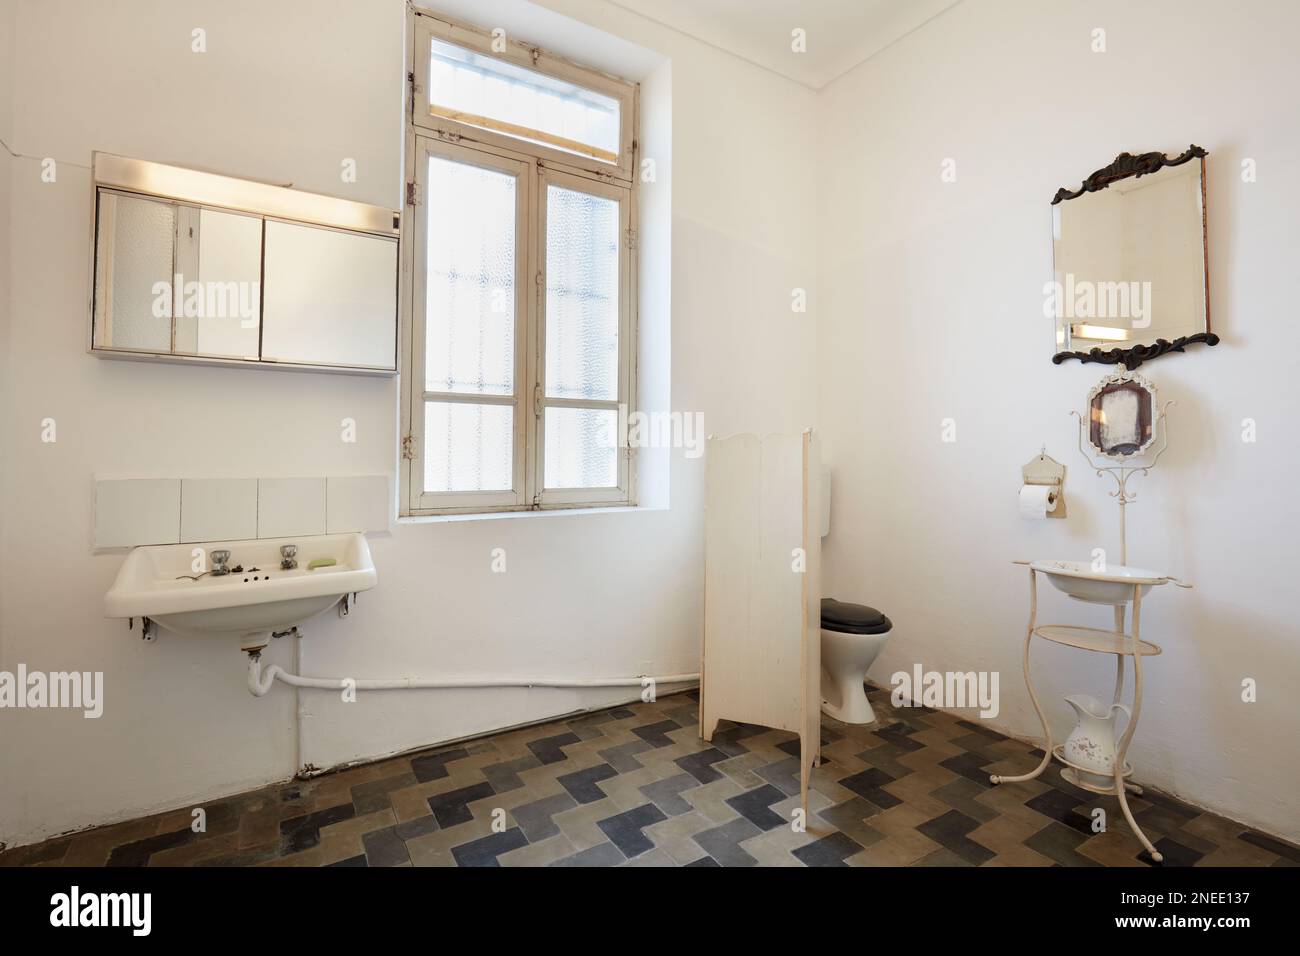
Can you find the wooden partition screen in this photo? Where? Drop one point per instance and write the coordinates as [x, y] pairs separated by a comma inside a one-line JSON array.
[[761, 659]]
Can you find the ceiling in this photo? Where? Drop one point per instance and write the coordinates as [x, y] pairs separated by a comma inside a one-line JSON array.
[[840, 34]]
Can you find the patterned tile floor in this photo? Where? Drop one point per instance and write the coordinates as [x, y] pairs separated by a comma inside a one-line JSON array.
[[636, 786]]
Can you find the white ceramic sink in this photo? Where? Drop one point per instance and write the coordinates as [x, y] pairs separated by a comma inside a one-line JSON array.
[[158, 583], [1112, 586]]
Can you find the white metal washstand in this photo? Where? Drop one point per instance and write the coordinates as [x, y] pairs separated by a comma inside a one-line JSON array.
[[1115, 586]]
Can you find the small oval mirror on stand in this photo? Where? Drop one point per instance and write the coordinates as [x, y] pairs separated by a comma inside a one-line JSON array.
[[1122, 419]]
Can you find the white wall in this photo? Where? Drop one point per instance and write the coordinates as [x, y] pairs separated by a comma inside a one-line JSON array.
[[279, 98], [918, 282], [6, 134], [931, 307]]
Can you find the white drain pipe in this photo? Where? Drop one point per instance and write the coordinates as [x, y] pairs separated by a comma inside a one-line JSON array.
[[259, 681]]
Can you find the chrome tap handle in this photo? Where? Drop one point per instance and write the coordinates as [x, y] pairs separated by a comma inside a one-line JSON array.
[[288, 556], [220, 558]]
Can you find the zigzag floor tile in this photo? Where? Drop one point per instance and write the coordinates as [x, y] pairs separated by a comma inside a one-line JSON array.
[[634, 785]]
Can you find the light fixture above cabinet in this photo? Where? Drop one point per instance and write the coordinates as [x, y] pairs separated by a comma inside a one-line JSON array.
[[192, 266]]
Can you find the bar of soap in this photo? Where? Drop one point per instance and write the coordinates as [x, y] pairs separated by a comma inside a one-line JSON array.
[[321, 563]]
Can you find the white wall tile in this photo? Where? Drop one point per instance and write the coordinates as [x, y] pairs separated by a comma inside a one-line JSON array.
[[135, 511], [218, 509], [358, 504], [290, 506]]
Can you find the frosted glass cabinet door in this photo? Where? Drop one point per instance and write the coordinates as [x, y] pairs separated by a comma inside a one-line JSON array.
[[133, 273], [329, 297]]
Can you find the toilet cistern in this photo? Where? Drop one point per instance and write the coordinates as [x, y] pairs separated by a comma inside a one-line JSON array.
[[825, 516]]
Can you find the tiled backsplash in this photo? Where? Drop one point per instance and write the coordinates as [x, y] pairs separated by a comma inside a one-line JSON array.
[[289, 506], [138, 511], [216, 509]]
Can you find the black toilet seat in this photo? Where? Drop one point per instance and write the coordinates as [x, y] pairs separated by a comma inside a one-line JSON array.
[[845, 618]]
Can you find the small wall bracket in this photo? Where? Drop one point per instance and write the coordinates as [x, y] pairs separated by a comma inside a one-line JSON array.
[[1043, 469]]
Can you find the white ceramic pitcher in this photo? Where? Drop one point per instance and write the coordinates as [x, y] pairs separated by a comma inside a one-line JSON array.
[[1092, 743]]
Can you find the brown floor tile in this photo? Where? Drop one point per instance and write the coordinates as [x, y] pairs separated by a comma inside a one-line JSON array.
[[1238, 853], [191, 853], [1116, 847]]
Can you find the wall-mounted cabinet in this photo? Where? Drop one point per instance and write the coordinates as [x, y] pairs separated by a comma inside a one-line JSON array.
[[192, 266]]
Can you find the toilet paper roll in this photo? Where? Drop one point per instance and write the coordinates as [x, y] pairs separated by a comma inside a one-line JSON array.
[[1037, 500]]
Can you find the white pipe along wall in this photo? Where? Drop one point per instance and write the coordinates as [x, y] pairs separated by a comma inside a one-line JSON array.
[[259, 681]]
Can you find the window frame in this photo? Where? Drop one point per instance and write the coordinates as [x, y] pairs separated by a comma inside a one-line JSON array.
[[427, 26], [536, 167]]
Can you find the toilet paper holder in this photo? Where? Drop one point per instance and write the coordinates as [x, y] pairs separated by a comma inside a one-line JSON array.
[[1043, 469]]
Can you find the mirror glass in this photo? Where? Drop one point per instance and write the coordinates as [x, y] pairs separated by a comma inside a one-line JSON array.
[[133, 271], [328, 297], [219, 266], [1120, 416], [1129, 261]]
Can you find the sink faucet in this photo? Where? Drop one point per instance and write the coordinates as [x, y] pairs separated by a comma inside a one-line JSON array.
[[220, 560], [288, 556]]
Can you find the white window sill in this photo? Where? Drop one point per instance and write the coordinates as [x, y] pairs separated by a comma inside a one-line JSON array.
[[505, 515]]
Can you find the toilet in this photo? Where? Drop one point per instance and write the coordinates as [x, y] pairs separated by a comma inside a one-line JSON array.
[[852, 636]]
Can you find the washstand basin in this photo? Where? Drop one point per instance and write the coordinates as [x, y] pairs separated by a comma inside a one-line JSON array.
[[160, 584], [1112, 586]]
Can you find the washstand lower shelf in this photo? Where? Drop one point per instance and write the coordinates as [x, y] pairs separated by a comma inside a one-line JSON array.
[[1095, 639]]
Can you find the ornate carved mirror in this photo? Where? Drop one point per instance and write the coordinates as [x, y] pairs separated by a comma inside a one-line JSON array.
[[1122, 415], [1130, 277]]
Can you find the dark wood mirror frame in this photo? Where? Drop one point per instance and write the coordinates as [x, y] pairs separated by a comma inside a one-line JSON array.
[[1126, 166]]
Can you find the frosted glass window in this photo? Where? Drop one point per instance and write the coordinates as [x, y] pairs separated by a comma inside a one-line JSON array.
[[133, 273], [468, 447], [581, 295], [581, 448], [521, 280], [470, 280], [492, 94]]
